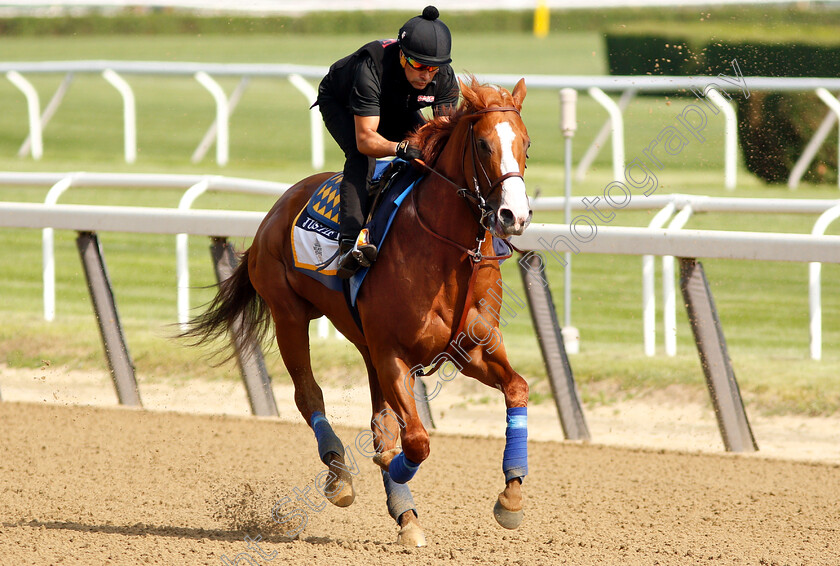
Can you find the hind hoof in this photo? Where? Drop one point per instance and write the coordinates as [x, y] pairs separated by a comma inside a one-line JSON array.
[[411, 534], [340, 490], [506, 518], [383, 459], [345, 496]]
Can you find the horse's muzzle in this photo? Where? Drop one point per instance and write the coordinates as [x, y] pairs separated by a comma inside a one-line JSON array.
[[510, 224]]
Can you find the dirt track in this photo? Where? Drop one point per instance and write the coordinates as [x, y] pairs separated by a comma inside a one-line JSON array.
[[81, 485]]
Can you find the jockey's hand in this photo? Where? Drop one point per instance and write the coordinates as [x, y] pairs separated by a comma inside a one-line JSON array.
[[407, 151]]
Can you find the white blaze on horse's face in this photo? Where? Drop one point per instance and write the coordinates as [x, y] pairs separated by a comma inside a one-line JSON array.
[[514, 212]]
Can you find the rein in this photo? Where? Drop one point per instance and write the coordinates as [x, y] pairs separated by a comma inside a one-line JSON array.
[[485, 215]]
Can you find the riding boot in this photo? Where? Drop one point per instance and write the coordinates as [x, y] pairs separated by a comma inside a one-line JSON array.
[[348, 265]]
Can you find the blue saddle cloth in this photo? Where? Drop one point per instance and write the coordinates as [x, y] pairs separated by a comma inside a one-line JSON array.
[[315, 230]]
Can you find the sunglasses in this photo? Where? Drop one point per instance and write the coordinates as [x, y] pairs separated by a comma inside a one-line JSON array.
[[419, 66]]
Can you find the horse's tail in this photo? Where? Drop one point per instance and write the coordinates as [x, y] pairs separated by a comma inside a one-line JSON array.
[[236, 302]]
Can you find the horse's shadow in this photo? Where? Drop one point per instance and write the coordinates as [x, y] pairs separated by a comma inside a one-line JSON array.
[[141, 529]]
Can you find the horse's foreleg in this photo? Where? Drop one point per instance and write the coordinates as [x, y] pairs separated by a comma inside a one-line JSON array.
[[494, 370]]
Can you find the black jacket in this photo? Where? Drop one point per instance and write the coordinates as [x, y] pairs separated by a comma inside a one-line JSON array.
[[371, 82]]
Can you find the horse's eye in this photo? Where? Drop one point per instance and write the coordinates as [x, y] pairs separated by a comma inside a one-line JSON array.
[[483, 146]]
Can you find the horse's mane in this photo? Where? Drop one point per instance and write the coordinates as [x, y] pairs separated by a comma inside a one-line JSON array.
[[433, 135]]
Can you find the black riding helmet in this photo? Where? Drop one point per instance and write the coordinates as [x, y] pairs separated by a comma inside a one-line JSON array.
[[426, 39]]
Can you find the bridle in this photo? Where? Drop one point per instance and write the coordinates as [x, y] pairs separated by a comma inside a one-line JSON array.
[[487, 214], [485, 217]]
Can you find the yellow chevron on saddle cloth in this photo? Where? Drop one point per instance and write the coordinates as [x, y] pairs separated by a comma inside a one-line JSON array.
[[323, 206]]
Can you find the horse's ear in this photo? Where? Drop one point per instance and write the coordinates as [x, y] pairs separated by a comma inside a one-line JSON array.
[[469, 93], [519, 94]]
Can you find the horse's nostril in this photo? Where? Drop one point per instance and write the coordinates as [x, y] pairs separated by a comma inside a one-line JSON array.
[[506, 216]]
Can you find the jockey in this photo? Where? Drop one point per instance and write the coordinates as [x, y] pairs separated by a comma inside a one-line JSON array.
[[370, 101]]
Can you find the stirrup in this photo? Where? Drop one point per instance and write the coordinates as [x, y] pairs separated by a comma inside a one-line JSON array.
[[364, 251]]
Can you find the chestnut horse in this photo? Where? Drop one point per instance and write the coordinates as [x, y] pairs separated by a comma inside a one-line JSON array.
[[436, 280]]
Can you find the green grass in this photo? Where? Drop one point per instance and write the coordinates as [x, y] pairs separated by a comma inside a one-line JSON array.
[[763, 306]]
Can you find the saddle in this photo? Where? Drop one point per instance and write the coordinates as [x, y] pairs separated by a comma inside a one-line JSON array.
[[315, 230]]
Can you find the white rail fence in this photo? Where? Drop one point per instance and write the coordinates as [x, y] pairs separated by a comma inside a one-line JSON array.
[[194, 185], [113, 71], [717, 89], [220, 224], [678, 209], [674, 208]]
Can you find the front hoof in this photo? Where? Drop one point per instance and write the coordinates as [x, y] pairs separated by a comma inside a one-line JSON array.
[[383, 459], [411, 533], [507, 518]]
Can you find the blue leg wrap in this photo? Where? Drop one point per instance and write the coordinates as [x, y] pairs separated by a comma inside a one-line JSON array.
[[402, 469], [327, 440], [399, 497], [515, 460]]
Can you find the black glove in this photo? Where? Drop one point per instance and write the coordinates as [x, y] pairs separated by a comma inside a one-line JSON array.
[[408, 152]]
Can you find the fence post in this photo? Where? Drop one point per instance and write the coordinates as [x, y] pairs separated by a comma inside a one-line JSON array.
[[601, 138], [617, 127], [33, 106], [553, 349], [249, 354], [730, 137], [814, 285], [211, 132], [315, 128], [105, 308], [714, 357], [49, 111], [222, 130], [129, 114], [669, 299]]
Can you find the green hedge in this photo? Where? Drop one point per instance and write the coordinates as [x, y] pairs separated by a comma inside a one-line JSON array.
[[776, 60], [646, 54], [773, 127], [776, 50]]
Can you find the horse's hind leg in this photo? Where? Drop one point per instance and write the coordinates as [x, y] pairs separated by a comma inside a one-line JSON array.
[[385, 426], [293, 341], [291, 315]]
